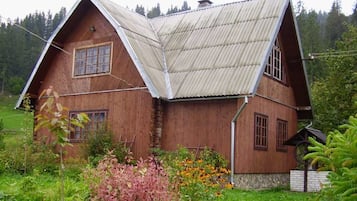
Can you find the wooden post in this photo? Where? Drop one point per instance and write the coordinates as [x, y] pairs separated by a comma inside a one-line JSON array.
[[306, 169], [306, 162]]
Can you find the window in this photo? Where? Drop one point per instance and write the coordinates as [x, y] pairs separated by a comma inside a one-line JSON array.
[[260, 132], [274, 67], [97, 120], [281, 135], [93, 60]]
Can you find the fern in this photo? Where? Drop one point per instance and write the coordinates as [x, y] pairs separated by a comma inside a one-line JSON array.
[[340, 156]]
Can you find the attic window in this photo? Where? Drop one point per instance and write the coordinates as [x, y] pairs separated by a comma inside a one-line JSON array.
[[274, 67], [92, 60]]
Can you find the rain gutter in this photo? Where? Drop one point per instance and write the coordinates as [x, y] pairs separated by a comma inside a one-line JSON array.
[[233, 134]]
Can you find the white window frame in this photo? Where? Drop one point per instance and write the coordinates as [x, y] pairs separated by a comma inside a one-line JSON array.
[[274, 67]]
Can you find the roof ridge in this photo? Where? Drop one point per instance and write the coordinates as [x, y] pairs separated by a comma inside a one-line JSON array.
[[164, 64], [200, 9]]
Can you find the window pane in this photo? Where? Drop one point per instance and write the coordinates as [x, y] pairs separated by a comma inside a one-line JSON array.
[[92, 60], [281, 135], [274, 66], [97, 119], [261, 132]]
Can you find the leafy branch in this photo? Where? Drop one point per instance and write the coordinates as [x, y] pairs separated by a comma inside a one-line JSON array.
[[54, 117]]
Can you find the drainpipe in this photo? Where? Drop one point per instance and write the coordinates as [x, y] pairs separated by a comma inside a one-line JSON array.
[[233, 134]]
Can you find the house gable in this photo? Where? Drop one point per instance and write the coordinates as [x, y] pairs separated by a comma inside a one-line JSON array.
[[207, 53], [56, 66]]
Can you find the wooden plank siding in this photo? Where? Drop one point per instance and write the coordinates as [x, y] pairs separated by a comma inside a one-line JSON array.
[[276, 100], [129, 115], [122, 93], [249, 160], [207, 123], [198, 123]]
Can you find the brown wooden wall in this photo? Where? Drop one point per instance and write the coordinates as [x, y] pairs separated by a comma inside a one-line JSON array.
[[129, 115], [123, 75], [249, 160], [207, 123], [129, 112], [198, 123]]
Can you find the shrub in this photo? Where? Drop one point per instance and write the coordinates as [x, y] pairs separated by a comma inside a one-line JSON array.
[[196, 178], [146, 181], [100, 142], [340, 156], [29, 190], [39, 156]]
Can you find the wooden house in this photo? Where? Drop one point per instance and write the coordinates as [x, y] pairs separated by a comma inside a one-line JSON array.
[[229, 77]]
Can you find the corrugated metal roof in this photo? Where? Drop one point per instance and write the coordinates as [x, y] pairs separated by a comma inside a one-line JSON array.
[[219, 51], [213, 51]]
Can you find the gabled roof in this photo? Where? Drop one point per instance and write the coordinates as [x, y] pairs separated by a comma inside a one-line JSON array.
[[210, 52], [302, 136], [215, 51]]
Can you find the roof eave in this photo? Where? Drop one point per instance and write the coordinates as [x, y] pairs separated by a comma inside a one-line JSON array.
[[207, 98], [43, 54], [152, 89], [268, 51], [303, 60]]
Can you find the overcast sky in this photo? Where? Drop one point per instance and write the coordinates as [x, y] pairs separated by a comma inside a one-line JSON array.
[[20, 8]]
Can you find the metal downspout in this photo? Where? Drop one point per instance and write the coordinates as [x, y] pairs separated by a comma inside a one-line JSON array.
[[233, 133]]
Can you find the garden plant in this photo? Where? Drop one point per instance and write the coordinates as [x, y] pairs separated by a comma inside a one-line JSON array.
[[54, 117], [339, 155]]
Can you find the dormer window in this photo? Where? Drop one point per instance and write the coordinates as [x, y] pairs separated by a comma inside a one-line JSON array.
[[274, 67], [92, 60]]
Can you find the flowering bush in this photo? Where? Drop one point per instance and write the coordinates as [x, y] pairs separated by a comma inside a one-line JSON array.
[[197, 178], [200, 181], [147, 181]]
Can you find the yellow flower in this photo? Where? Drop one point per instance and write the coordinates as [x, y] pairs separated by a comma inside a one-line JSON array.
[[228, 186]]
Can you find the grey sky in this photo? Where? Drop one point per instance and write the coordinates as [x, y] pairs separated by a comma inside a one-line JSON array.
[[20, 8]]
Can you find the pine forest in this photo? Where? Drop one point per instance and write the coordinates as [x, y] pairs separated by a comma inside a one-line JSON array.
[[328, 39]]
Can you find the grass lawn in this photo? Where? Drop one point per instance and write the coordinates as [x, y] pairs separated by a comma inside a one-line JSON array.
[[40, 187], [267, 195], [13, 120], [48, 186]]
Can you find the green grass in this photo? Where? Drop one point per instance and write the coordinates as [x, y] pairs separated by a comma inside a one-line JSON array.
[[48, 186], [40, 187], [267, 195], [13, 120], [11, 183]]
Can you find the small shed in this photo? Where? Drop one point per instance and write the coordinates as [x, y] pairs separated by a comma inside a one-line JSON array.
[[301, 140], [302, 137]]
